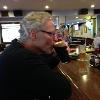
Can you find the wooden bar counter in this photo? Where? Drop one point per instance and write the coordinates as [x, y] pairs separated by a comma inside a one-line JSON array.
[[85, 79]]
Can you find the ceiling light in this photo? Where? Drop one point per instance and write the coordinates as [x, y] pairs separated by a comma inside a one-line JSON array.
[[76, 17], [92, 6], [47, 7], [5, 7]]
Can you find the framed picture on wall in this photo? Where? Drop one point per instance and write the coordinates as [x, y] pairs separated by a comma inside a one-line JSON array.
[[85, 29]]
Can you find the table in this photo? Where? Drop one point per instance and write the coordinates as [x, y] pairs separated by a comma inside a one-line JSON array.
[[85, 80]]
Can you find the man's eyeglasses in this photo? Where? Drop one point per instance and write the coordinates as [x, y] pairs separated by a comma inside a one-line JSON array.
[[49, 33]]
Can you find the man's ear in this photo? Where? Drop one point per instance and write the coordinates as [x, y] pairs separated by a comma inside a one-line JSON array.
[[33, 34]]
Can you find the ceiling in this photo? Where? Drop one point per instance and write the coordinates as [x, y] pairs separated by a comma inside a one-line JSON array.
[[54, 4]]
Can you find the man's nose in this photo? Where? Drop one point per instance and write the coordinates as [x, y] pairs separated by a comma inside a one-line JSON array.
[[55, 38]]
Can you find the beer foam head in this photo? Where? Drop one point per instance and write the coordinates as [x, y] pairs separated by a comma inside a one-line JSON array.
[[60, 44]]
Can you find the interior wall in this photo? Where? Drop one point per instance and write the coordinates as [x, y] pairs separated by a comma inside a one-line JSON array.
[[98, 25], [84, 31], [61, 17]]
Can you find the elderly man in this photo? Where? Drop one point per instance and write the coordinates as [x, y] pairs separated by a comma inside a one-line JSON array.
[[26, 66]]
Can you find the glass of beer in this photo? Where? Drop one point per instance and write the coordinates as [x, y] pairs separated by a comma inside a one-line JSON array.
[[82, 55], [61, 51]]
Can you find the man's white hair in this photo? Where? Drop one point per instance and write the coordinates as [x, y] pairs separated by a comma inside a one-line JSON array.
[[33, 20]]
